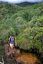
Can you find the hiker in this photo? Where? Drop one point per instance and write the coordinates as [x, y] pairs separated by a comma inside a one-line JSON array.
[[11, 41]]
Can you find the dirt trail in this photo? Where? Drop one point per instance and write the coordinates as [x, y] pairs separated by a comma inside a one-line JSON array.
[[22, 58], [27, 58]]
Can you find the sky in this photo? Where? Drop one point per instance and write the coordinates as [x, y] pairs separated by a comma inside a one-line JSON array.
[[19, 1]]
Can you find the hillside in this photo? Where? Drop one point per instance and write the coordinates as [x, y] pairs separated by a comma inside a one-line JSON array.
[[25, 4], [26, 23]]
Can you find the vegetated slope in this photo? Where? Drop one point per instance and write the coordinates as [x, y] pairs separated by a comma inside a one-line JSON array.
[[26, 23], [25, 4]]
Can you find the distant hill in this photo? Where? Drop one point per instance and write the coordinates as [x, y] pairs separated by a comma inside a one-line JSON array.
[[20, 4], [25, 4]]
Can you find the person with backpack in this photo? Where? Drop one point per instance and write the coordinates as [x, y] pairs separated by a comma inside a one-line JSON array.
[[11, 41]]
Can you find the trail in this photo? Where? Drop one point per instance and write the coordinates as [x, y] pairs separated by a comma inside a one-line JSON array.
[[20, 58], [29, 58]]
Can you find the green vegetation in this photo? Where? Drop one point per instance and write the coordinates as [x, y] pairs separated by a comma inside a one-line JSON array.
[[26, 23]]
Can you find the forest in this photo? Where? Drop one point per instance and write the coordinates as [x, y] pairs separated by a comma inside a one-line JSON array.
[[24, 22]]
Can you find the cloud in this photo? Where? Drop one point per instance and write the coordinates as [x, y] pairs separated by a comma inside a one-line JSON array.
[[34, 0], [18, 1], [13, 1]]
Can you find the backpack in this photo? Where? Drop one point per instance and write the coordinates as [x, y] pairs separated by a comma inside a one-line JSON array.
[[11, 39]]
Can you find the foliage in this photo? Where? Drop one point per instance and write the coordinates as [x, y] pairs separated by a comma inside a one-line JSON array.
[[26, 23]]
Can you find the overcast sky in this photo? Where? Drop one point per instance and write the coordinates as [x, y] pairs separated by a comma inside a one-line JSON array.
[[18, 1]]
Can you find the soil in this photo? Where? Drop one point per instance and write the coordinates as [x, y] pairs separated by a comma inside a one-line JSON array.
[[16, 57]]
